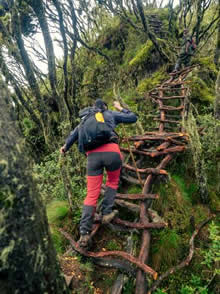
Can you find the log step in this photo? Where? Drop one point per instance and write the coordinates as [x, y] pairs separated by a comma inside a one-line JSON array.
[[137, 196], [170, 89], [155, 171], [171, 108], [167, 121], [171, 97], [175, 149], [157, 136], [140, 226]]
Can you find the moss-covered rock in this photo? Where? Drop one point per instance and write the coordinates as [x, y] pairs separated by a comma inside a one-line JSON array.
[[151, 82]]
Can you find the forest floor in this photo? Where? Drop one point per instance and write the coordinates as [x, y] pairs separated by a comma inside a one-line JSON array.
[[82, 275]]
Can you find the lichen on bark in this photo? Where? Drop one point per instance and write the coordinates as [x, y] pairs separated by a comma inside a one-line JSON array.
[[28, 261]]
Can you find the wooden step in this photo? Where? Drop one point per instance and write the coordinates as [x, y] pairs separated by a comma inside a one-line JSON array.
[[140, 225], [137, 196], [167, 121], [168, 116], [171, 97], [154, 171], [170, 89], [171, 108]]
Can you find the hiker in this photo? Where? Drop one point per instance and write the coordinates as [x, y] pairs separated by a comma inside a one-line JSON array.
[[187, 50], [107, 155]]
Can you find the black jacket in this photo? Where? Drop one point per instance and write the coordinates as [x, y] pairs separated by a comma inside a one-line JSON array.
[[112, 119]]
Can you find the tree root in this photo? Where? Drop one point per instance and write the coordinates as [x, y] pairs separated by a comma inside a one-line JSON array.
[[126, 256], [185, 262]]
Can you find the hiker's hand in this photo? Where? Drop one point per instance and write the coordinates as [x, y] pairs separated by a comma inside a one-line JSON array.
[[117, 105], [62, 150]]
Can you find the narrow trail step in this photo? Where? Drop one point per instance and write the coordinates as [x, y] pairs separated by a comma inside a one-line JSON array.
[[165, 146], [167, 121], [137, 196], [171, 108], [170, 98], [154, 171]]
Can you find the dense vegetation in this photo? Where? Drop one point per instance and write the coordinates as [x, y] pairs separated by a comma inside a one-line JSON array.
[[121, 48]]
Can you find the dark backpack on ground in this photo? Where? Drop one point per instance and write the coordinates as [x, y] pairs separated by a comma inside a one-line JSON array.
[[93, 130]]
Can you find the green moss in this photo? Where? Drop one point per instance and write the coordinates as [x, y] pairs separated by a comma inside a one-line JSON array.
[[57, 211], [214, 201], [187, 190], [203, 79], [58, 240], [200, 213], [129, 287], [201, 91], [134, 189], [6, 251], [173, 206], [112, 245], [166, 248], [151, 82], [206, 63], [143, 55], [108, 94]]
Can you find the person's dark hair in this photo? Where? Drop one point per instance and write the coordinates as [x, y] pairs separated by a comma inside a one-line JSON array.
[[99, 103]]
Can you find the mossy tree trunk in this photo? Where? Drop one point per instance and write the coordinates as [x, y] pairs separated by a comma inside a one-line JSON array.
[[217, 99], [28, 261], [217, 49], [217, 129]]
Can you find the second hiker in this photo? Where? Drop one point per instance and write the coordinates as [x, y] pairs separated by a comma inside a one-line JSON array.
[[103, 154], [187, 51]]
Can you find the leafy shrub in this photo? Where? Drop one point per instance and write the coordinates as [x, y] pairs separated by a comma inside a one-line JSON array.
[[49, 175], [112, 245], [212, 255]]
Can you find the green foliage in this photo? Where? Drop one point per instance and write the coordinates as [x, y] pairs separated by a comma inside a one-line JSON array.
[[33, 135], [134, 189], [112, 245], [192, 290], [212, 255], [159, 291], [28, 126], [195, 285], [129, 287], [48, 177]]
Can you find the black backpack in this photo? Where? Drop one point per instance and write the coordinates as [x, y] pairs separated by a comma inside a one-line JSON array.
[[93, 130]]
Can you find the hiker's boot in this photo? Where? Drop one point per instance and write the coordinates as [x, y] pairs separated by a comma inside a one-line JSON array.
[[107, 218], [84, 241]]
